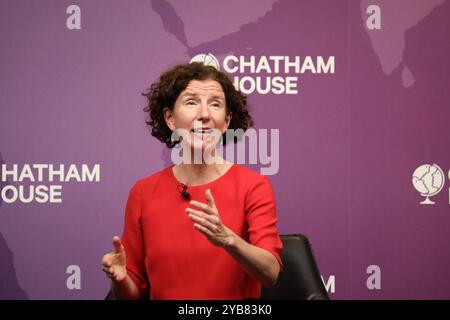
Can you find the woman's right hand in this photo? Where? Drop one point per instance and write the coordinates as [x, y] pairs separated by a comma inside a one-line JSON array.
[[114, 263]]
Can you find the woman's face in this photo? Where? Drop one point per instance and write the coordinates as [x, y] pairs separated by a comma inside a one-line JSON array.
[[201, 110]]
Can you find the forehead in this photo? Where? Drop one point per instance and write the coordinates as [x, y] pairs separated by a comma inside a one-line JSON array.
[[204, 87]]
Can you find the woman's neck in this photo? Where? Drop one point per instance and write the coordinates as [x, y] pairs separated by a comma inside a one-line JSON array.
[[196, 174]]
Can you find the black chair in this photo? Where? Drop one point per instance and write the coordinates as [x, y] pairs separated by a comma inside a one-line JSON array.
[[300, 279]]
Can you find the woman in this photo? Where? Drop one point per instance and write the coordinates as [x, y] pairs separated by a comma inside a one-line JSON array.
[[204, 228]]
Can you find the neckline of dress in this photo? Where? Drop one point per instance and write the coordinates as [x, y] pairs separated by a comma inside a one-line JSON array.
[[204, 184]]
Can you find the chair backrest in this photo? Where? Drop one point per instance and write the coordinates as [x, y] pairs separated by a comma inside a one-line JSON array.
[[300, 278]]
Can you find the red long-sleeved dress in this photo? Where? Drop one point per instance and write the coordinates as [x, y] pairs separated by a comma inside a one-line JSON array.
[[164, 249]]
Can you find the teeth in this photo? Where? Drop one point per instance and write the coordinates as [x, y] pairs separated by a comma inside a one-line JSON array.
[[200, 131]]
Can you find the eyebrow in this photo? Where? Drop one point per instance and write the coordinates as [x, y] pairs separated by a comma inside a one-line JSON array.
[[217, 97], [189, 94], [195, 95]]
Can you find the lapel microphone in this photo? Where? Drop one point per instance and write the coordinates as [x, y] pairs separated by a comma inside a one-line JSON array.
[[183, 191]]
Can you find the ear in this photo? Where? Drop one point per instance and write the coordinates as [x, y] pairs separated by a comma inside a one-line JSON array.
[[168, 117], [228, 121]]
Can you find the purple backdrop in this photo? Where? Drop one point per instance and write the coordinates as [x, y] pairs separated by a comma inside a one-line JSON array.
[[350, 141]]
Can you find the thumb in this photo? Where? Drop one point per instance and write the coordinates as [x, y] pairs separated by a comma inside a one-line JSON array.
[[118, 247]]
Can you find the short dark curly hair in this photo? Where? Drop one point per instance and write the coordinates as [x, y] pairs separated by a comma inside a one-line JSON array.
[[171, 83]]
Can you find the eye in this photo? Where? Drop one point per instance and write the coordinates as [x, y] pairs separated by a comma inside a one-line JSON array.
[[190, 103], [216, 105]]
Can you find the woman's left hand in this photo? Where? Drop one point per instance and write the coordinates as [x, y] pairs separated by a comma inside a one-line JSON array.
[[207, 221]]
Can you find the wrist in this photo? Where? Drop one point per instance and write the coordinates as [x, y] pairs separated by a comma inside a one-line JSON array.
[[232, 242]]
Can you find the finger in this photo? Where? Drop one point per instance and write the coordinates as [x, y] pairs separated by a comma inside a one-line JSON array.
[[202, 206], [201, 214], [209, 198], [203, 230], [106, 271], [106, 261], [204, 222], [118, 248]]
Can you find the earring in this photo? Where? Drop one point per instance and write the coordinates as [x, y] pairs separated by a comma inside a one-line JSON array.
[[174, 137], [221, 140]]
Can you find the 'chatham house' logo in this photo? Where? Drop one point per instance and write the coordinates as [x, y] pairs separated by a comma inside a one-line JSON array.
[[428, 180], [268, 74]]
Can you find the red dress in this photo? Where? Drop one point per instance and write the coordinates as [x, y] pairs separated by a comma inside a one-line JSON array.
[[164, 249]]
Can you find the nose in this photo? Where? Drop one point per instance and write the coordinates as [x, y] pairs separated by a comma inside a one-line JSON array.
[[204, 112]]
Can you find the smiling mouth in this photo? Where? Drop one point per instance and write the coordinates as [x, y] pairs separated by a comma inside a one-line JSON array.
[[203, 134]]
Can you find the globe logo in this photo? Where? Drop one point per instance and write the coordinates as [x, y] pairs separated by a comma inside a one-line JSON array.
[[428, 180], [207, 60]]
